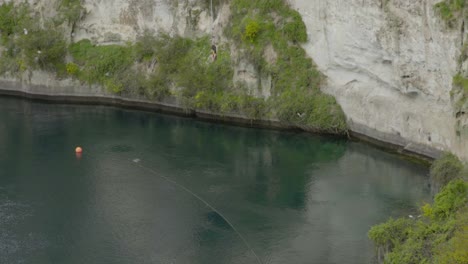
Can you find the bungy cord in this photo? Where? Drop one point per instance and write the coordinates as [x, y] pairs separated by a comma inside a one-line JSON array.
[[137, 163]]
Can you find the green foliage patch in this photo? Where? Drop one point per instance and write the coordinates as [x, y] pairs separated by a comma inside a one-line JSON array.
[[438, 236], [460, 87], [101, 64], [29, 44], [445, 169], [13, 19], [251, 30], [71, 11], [257, 25], [450, 10]]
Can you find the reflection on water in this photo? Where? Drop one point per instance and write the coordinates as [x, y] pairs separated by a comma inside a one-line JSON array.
[[295, 198]]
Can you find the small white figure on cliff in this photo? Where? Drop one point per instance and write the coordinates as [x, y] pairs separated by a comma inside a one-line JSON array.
[[214, 54]]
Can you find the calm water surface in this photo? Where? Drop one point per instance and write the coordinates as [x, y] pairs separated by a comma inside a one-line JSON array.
[[295, 198]]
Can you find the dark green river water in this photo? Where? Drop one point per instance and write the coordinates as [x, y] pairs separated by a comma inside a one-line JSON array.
[[294, 198]]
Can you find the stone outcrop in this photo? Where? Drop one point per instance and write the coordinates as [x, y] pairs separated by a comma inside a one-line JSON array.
[[390, 65]]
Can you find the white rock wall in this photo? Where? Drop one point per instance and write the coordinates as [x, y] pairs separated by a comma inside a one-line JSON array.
[[128, 18], [390, 66]]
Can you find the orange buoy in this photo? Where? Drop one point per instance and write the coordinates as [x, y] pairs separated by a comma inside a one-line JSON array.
[[78, 150]]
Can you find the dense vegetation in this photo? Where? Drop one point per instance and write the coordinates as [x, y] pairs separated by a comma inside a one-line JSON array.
[[160, 66], [29, 45], [257, 25], [440, 233]]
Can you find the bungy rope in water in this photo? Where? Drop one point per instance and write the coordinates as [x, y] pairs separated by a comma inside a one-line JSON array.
[[137, 163]]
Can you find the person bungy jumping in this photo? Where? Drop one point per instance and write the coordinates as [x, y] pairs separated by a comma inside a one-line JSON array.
[[214, 54]]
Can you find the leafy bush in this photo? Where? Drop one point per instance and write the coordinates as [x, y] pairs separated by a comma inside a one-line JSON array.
[[11, 65], [7, 19], [296, 29], [14, 18], [113, 85], [176, 61], [460, 88], [72, 69], [72, 11], [101, 64], [251, 30], [439, 236], [444, 10], [43, 47], [30, 44], [156, 87], [443, 170], [391, 233], [258, 24], [253, 107], [455, 249], [185, 63], [145, 47], [450, 199], [296, 107]]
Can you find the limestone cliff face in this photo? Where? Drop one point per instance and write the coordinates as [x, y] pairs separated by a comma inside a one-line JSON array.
[[390, 65], [122, 20], [119, 21], [111, 21]]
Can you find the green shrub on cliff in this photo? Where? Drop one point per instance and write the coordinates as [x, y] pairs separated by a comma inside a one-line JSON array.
[[391, 233], [459, 80], [459, 92], [72, 69], [102, 64], [438, 234], [175, 61], [295, 29], [14, 19], [318, 111], [30, 44], [455, 250], [7, 20], [445, 169], [251, 30], [71, 10], [270, 33], [449, 200], [44, 47], [450, 10]]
